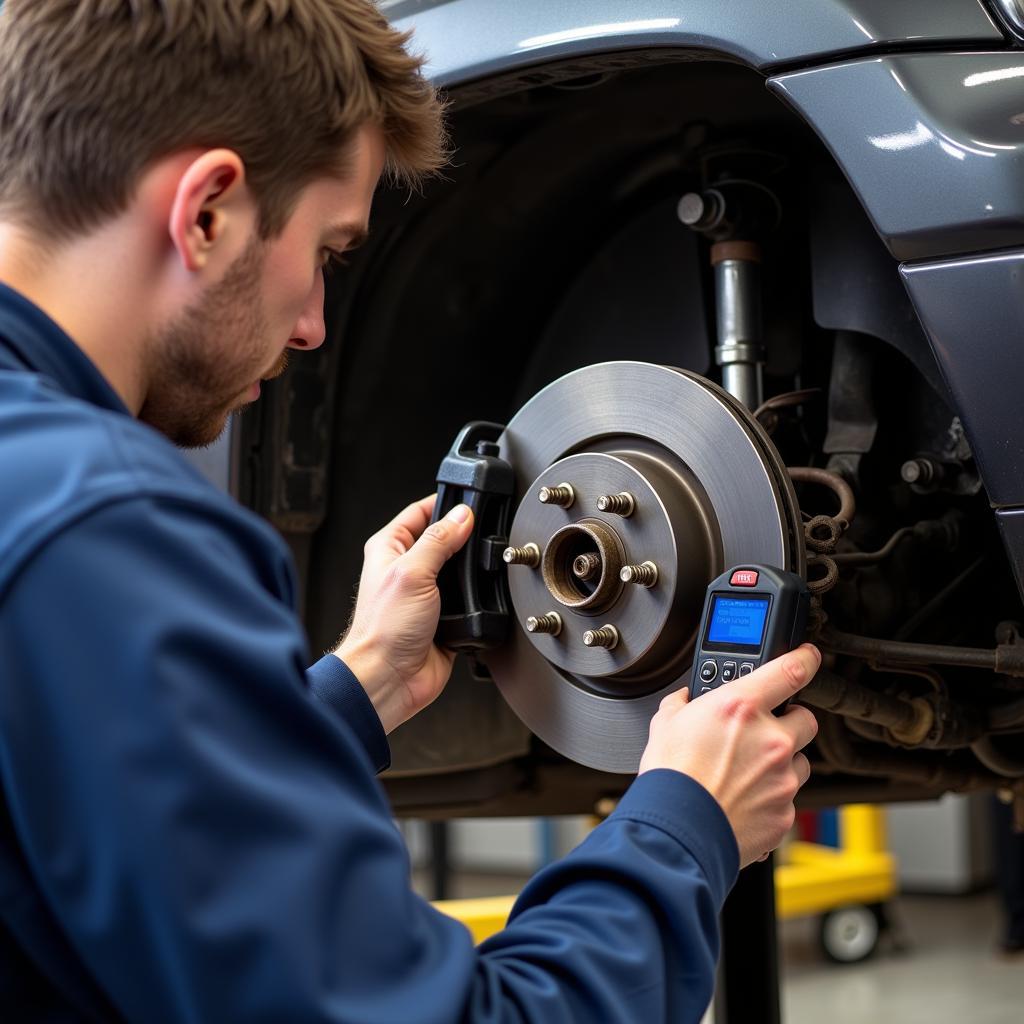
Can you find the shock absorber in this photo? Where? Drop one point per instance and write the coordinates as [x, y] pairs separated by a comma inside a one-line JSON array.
[[734, 213], [739, 352]]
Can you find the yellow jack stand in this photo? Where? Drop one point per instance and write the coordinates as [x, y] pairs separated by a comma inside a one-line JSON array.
[[847, 886]]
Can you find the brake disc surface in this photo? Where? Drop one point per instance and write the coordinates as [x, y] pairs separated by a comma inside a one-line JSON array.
[[706, 489]]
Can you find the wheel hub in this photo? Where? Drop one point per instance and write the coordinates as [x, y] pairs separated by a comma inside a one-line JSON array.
[[638, 484]]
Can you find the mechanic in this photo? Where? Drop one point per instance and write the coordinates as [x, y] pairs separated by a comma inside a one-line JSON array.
[[191, 827]]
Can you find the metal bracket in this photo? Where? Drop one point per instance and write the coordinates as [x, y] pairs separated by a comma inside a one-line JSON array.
[[474, 584]]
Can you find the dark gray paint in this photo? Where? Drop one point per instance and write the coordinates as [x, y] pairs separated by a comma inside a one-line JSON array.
[[469, 39], [973, 313], [932, 143], [1011, 526]]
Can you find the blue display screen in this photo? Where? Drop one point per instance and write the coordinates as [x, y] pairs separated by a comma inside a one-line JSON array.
[[738, 620]]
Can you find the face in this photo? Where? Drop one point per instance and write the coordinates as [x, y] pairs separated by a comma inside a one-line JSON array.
[[209, 361]]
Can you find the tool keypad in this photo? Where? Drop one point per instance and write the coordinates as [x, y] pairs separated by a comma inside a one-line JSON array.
[[723, 669]]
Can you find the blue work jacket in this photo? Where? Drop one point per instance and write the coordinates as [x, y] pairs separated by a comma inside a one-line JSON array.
[[191, 828]]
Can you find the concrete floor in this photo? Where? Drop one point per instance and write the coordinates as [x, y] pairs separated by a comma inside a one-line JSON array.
[[949, 970], [941, 966]]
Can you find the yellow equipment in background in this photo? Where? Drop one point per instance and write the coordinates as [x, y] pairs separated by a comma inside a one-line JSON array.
[[847, 885]]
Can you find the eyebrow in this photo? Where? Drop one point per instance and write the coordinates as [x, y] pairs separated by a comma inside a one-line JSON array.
[[358, 233]]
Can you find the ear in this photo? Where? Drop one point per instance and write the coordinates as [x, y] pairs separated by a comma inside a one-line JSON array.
[[211, 209]]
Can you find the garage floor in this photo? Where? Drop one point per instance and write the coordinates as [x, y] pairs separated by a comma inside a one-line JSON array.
[[948, 970]]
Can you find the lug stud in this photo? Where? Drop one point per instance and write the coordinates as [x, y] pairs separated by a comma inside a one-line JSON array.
[[550, 623], [586, 567], [607, 637], [528, 554], [645, 574], [563, 495], [621, 504]]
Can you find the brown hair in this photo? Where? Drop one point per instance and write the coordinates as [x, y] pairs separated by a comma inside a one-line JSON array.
[[93, 91]]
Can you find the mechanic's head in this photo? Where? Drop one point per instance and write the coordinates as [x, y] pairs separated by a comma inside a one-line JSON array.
[[193, 164]]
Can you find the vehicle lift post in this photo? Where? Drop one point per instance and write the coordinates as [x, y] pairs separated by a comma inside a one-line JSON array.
[[748, 968]]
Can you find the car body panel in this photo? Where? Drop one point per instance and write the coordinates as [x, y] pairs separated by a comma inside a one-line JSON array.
[[467, 39], [973, 312], [1011, 526], [933, 144]]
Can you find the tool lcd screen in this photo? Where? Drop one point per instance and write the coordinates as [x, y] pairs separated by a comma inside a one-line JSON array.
[[737, 622]]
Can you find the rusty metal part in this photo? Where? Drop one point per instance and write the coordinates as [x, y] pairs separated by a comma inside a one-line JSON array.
[[767, 413], [822, 584], [1006, 659], [943, 772], [622, 504], [528, 555], [561, 495], [586, 566], [871, 557], [835, 483], [822, 533], [1007, 717], [989, 752], [558, 565], [645, 574], [673, 530], [711, 490], [830, 692], [607, 637], [551, 623], [942, 533], [739, 250], [931, 721]]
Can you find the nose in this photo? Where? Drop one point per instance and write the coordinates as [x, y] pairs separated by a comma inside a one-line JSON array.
[[309, 330]]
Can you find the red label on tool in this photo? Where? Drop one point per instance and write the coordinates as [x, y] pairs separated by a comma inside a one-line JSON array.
[[743, 578]]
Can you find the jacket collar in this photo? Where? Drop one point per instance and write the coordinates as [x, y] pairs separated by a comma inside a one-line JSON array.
[[31, 341]]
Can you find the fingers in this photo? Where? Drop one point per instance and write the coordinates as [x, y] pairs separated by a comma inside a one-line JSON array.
[[778, 680], [676, 699], [441, 540], [802, 768], [395, 539], [801, 725]]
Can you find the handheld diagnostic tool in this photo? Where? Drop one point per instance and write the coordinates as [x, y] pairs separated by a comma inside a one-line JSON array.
[[752, 614]]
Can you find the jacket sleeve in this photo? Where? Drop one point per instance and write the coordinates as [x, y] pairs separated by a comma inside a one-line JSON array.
[[332, 682], [214, 846]]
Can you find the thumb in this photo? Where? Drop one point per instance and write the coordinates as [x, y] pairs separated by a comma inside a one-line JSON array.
[[441, 540]]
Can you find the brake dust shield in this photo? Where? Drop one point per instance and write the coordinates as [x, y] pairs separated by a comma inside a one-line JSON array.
[[708, 490]]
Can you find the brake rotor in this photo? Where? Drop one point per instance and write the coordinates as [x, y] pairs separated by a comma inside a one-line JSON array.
[[636, 467]]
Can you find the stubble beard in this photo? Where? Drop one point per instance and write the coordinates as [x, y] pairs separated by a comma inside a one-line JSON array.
[[202, 365]]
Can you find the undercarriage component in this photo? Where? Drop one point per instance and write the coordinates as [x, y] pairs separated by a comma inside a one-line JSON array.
[[1006, 659], [941, 771], [474, 602], [931, 721], [739, 352], [706, 489]]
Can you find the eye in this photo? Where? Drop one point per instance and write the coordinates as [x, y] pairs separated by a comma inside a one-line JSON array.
[[332, 259]]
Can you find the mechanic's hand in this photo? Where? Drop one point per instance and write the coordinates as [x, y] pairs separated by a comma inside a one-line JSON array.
[[390, 643], [745, 757]]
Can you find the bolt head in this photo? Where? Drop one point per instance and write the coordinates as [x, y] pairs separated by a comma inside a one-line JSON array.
[[691, 208]]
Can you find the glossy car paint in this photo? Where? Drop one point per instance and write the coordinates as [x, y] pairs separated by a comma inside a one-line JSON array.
[[933, 144], [973, 312], [467, 39]]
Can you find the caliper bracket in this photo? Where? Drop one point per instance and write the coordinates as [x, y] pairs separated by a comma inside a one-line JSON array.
[[474, 583]]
